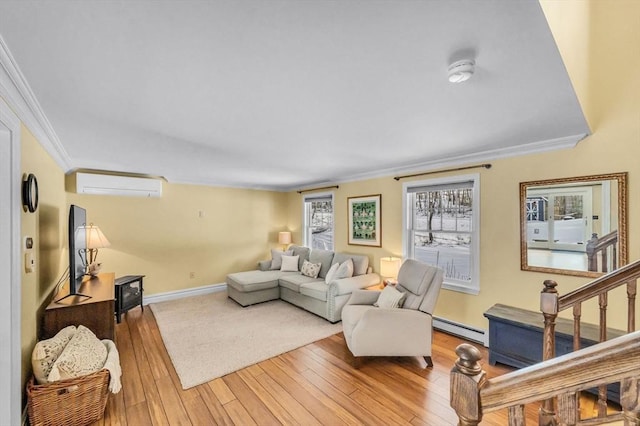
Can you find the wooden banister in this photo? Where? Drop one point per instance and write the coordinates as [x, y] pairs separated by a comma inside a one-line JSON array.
[[613, 361], [627, 273], [601, 245], [616, 360]]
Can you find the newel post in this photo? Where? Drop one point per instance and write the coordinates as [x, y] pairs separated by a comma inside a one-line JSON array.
[[549, 308], [467, 378]]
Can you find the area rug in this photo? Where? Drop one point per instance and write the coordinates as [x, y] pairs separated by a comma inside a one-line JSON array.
[[210, 336]]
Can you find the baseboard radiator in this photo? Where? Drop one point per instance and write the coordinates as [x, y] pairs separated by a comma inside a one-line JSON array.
[[461, 330]]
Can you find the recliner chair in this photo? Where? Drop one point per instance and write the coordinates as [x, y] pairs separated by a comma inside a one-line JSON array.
[[405, 331]]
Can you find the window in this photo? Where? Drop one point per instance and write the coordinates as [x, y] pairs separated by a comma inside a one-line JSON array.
[[442, 228], [317, 221]]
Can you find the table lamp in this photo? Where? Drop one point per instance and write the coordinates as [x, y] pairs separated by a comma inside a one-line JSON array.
[[389, 267], [95, 240], [284, 238]]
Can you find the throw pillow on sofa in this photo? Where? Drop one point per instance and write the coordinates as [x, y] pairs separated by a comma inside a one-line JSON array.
[[339, 270], [47, 351], [345, 270], [84, 354], [310, 269], [276, 258], [290, 263]]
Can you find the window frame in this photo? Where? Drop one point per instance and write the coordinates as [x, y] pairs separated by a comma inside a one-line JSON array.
[[407, 221], [309, 197]]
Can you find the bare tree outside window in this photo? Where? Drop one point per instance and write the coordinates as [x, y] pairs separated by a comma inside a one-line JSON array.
[[442, 230], [319, 223]]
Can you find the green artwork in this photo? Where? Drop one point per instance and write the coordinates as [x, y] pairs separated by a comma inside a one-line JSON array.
[[364, 220]]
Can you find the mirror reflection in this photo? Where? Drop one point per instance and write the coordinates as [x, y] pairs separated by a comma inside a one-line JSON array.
[[574, 226]]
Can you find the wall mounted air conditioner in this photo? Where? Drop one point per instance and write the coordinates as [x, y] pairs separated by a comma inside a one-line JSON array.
[[88, 183]]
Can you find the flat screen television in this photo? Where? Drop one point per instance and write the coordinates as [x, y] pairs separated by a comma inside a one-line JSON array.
[[77, 249]]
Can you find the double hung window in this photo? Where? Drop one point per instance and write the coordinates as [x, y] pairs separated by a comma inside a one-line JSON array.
[[442, 228], [318, 221]]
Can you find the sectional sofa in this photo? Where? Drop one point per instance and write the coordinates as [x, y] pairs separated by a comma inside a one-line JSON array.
[[316, 295]]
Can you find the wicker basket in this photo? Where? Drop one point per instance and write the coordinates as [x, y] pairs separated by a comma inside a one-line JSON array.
[[78, 401]]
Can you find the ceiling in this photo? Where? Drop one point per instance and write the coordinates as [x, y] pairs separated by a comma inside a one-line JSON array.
[[291, 94]]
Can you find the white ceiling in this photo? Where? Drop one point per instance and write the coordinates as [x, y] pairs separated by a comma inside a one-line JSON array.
[[288, 94]]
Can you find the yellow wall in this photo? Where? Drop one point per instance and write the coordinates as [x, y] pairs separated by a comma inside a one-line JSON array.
[[594, 39], [47, 226], [166, 239]]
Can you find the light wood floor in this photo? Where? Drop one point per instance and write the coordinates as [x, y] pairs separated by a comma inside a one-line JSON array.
[[312, 385]]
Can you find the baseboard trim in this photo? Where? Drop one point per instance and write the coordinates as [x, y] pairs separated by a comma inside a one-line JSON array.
[[462, 330], [179, 294]]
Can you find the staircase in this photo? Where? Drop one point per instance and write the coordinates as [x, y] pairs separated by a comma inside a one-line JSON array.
[[557, 382]]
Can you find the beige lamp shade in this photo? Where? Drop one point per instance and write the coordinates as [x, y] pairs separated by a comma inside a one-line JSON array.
[[95, 240], [284, 238], [389, 267]]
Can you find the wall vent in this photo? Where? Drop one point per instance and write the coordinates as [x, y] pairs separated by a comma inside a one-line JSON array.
[[97, 184]]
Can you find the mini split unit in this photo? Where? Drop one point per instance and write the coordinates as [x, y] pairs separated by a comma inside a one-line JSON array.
[[96, 184]]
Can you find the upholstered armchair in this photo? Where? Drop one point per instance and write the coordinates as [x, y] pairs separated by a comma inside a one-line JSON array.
[[406, 331]]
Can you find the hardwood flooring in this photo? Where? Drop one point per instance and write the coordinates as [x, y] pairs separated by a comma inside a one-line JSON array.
[[312, 385]]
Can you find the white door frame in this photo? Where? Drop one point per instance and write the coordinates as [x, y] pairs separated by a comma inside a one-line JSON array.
[[10, 277]]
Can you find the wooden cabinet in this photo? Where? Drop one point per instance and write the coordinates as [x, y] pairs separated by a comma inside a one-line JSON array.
[[96, 313]]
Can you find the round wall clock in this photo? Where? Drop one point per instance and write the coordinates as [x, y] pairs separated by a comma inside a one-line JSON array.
[[30, 193]]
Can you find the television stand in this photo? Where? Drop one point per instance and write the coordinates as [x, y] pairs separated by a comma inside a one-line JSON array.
[[95, 312], [72, 302]]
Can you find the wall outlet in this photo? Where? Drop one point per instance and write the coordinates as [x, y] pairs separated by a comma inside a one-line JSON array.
[[192, 275]]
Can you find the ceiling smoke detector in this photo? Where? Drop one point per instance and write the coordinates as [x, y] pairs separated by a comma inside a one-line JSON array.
[[460, 71]]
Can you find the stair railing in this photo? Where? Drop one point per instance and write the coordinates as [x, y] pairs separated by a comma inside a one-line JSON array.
[[551, 304], [472, 394], [601, 246], [617, 360]]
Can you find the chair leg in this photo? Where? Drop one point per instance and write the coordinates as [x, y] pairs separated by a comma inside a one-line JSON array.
[[357, 362], [429, 361]]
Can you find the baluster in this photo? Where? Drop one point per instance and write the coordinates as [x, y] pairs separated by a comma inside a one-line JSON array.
[[467, 377], [631, 306], [516, 415], [605, 267], [549, 308], [602, 390], [568, 408], [577, 313], [630, 401]]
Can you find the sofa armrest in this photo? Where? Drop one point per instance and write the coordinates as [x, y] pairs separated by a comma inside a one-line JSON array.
[[264, 265], [363, 297], [348, 285], [388, 321]]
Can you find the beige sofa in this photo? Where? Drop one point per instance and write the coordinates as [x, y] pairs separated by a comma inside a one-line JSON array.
[[312, 294]]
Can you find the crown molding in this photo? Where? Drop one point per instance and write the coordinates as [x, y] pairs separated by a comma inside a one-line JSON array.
[[566, 142], [15, 90]]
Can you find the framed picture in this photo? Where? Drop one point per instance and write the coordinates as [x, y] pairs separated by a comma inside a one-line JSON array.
[[364, 221]]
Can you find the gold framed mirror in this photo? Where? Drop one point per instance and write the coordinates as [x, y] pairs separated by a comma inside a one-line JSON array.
[[574, 226]]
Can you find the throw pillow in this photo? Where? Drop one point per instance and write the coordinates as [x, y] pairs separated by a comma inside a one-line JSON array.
[[276, 258], [389, 297], [84, 354], [345, 270], [289, 263], [47, 351], [331, 273], [310, 269]]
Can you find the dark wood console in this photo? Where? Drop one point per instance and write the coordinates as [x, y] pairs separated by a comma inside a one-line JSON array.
[[95, 313]]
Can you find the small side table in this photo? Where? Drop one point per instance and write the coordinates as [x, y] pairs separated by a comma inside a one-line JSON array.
[[129, 291]]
